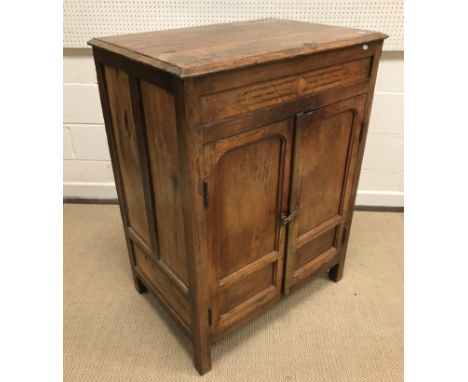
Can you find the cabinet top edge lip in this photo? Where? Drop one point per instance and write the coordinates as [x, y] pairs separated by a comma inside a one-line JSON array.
[[198, 51]]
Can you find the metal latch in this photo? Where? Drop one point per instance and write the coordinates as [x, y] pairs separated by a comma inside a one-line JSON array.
[[286, 219]]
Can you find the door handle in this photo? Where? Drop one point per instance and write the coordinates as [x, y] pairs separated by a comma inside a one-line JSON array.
[[286, 219]]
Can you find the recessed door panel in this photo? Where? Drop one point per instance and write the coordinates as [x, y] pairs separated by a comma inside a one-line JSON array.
[[313, 248], [247, 203], [325, 147], [247, 179], [322, 154]]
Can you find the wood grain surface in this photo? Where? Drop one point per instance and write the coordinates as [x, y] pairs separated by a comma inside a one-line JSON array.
[[238, 185], [195, 51]]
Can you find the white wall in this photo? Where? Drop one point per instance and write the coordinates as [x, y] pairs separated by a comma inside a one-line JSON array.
[[87, 168]]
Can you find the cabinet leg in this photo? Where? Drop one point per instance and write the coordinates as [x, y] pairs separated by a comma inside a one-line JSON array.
[[202, 356], [139, 286], [336, 273]]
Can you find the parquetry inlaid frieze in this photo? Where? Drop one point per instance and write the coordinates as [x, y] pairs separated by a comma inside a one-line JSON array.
[[282, 90]]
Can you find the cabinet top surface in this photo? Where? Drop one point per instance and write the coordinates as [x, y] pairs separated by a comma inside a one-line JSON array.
[[195, 51]]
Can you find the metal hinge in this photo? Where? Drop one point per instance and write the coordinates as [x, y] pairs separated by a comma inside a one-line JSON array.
[[205, 193], [361, 133], [286, 219], [345, 236], [209, 316]]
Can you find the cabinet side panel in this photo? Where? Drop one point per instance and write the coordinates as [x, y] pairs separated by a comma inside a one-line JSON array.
[[161, 130], [177, 303], [123, 125]]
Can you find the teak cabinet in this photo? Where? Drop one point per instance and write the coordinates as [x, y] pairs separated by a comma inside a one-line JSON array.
[[236, 150]]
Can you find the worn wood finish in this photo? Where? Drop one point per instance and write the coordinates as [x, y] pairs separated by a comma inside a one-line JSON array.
[[280, 91], [172, 297], [139, 286], [236, 151], [249, 121], [162, 138], [248, 183], [326, 143], [336, 273], [118, 92], [190, 147], [196, 51]]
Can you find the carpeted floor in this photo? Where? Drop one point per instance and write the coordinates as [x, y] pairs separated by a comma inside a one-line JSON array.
[[348, 332]]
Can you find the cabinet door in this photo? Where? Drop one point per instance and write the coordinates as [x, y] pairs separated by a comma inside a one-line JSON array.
[[247, 184], [325, 150]]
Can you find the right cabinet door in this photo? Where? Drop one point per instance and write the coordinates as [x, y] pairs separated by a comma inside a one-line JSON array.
[[326, 143]]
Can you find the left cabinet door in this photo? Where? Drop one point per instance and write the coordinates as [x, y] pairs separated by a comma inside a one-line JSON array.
[[247, 186]]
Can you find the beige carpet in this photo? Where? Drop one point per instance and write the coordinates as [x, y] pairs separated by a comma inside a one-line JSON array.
[[350, 331]]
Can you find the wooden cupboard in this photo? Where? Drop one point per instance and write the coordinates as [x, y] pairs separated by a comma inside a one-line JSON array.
[[236, 150]]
